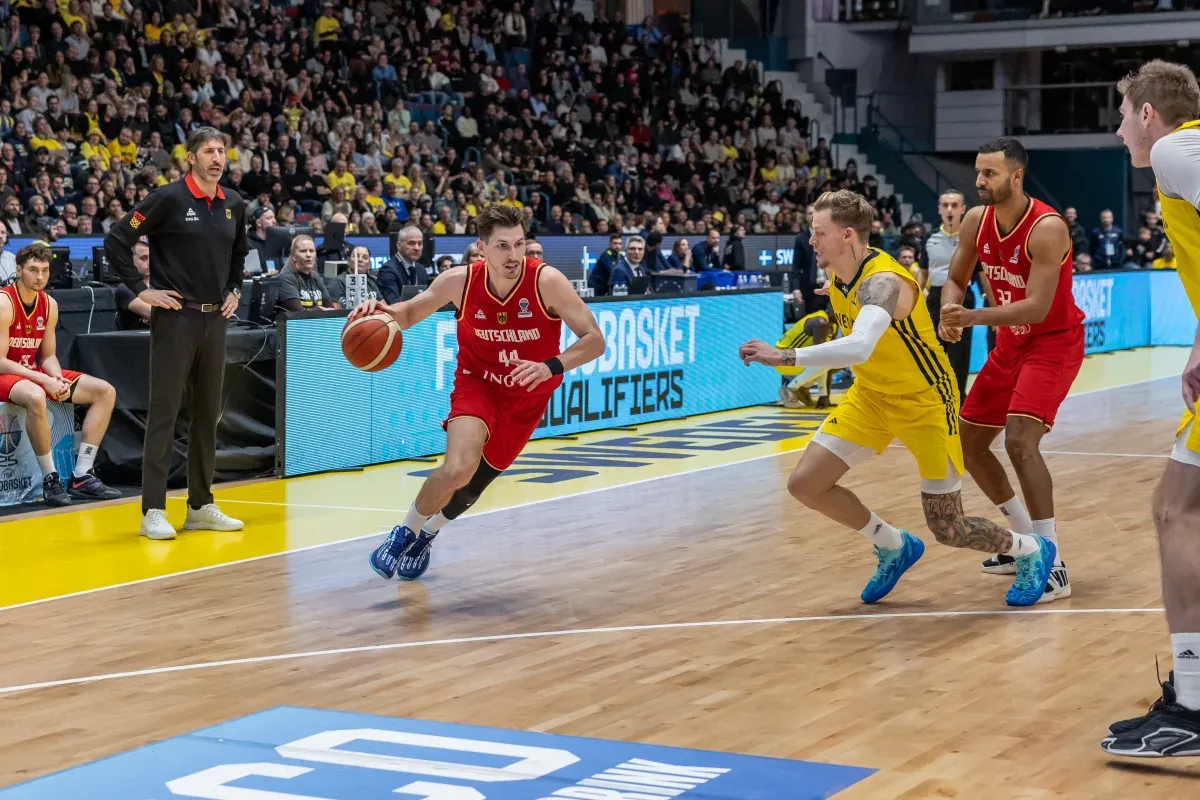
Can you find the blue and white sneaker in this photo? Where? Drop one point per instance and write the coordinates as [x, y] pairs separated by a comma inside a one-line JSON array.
[[1033, 572], [415, 560], [892, 564], [386, 557]]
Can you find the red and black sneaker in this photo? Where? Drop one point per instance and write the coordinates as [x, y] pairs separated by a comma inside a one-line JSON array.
[[89, 487]]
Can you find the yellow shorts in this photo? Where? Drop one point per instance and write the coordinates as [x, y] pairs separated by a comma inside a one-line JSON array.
[[921, 421], [1187, 440]]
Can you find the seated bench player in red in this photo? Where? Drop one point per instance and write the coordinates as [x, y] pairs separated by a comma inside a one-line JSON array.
[[30, 374]]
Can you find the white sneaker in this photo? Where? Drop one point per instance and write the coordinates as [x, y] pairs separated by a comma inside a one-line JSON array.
[[1058, 586], [155, 525], [210, 518]]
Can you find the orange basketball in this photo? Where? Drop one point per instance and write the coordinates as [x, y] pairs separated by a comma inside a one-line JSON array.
[[372, 343]]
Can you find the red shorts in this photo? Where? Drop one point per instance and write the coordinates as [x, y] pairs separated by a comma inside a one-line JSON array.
[[511, 416], [1027, 380], [7, 382]]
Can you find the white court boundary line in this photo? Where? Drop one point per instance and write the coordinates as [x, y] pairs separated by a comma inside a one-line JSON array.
[[503, 637], [525, 504]]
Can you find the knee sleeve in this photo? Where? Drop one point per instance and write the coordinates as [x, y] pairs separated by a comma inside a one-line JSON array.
[[464, 498]]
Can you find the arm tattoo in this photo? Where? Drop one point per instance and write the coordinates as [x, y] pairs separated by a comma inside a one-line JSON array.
[[789, 357], [944, 515], [881, 290]]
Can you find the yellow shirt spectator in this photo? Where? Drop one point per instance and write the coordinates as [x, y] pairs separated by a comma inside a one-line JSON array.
[[153, 32], [88, 149], [50, 144], [376, 203], [1163, 263], [729, 151], [402, 183], [508, 201], [179, 152], [126, 152], [347, 182], [327, 28], [440, 228]]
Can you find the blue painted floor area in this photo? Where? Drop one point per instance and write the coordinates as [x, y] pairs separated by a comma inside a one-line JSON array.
[[291, 753]]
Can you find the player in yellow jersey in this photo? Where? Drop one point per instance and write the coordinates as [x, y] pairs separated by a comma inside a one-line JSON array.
[[1160, 124], [810, 329], [903, 389]]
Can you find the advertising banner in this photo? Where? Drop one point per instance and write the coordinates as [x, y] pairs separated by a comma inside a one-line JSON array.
[[666, 358]]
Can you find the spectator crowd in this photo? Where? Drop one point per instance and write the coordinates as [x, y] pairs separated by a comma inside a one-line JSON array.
[[399, 112]]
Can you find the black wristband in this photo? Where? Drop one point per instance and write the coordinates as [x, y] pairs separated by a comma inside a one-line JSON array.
[[556, 367]]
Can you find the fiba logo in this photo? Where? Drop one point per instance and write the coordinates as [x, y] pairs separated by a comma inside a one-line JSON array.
[[10, 434]]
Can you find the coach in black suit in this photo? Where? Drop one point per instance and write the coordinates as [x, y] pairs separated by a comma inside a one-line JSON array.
[[405, 268]]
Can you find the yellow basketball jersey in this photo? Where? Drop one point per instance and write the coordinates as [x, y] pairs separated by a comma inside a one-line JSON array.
[[1181, 220], [908, 358], [796, 337]]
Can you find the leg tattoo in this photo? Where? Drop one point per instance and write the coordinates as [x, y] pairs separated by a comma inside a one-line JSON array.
[[944, 515]]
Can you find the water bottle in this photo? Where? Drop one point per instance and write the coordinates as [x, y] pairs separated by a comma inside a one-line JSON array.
[[787, 283], [620, 290]]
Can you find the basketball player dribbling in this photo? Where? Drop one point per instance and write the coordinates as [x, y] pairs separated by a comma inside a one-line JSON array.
[[1160, 124], [510, 314], [1024, 246], [903, 389]]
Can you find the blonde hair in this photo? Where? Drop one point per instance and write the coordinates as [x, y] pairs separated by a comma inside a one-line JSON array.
[[291, 260], [848, 209], [1169, 88]]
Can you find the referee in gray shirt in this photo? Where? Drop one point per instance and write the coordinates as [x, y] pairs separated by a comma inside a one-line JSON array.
[[939, 248]]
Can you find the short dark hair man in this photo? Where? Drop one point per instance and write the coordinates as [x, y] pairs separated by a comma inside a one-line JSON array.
[[405, 268], [30, 373], [197, 235]]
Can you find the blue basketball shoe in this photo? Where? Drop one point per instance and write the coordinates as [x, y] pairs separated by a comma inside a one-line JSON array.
[[386, 557], [415, 560], [1033, 571], [892, 564]]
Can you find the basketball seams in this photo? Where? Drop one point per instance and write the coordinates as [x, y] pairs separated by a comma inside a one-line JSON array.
[[385, 351]]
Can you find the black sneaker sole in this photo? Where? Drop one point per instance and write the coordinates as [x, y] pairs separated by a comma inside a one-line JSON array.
[[58, 502], [78, 495]]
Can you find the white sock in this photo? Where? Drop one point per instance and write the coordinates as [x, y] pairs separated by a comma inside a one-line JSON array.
[[46, 462], [1023, 545], [881, 534], [414, 519], [1045, 529], [85, 459], [1017, 516], [435, 523], [1186, 647]]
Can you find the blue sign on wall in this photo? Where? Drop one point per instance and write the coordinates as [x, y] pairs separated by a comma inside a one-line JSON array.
[[666, 358], [305, 754]]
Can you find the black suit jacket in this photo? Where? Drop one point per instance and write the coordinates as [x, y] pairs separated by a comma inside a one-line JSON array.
[[393, 277]]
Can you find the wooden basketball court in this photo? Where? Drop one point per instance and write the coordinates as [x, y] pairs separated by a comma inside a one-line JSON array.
[[657, 586]]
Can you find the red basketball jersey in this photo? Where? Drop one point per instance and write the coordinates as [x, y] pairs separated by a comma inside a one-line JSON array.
[[1006, 263], [495, 333], [28, 329]]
